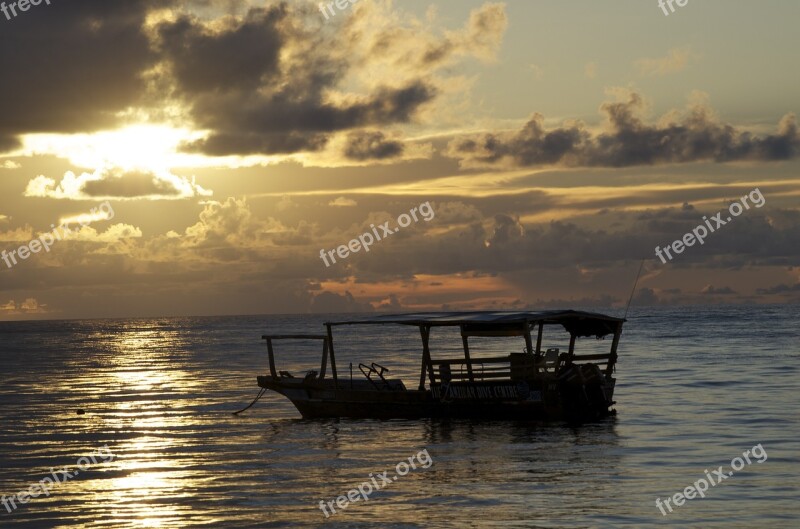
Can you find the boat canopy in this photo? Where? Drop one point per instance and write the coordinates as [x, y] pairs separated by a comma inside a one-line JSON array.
[[500, 323]]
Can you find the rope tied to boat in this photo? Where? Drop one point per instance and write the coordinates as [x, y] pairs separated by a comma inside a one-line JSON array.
[[260, 394]]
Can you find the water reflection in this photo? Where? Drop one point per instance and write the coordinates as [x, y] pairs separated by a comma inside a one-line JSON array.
[[160, 393], [140, 394]]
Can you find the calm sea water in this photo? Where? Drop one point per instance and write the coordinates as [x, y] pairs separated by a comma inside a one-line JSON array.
[[696, 388]]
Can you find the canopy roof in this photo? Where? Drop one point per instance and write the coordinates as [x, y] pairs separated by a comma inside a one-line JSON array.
[[575, 322]]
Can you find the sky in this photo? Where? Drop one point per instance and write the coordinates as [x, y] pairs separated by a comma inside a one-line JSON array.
[[216, 157]]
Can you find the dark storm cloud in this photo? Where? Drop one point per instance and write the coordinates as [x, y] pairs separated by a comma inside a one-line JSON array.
[[71, 66], [368, 145], [235, 59], [222, 144], [251, 101], [285, 121], [696, 137], [130, 185]]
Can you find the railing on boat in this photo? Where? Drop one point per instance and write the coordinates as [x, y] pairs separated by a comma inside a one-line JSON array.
[[513, 366]]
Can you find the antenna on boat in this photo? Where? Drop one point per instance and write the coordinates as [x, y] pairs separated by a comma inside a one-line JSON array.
[[633, 291]]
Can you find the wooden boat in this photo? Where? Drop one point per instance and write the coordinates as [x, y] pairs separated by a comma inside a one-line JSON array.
[[529, 385]]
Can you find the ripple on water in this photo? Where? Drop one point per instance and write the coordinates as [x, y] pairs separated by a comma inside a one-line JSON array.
[[159, 393]]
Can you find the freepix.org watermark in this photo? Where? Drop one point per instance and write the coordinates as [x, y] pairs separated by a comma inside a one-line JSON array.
[[368, 487], [63, 232], [340, 4], [699, 487], [663, 6], [700, 233], [58, 476], [23, 5], [366, 240]]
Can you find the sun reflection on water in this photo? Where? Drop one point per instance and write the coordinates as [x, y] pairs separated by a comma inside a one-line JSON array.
[[152, 483]]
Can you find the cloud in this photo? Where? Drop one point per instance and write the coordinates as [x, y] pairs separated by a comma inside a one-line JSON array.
[[330, 302], [405, 47], [8, 164], [106, 213], [259, 84], [286, 204], [113, 234], [693, 136], [675, 61], [238, 256], [590, 70], [466, 239], [17, 235], [29, 306], [343, 202], [714, 291], [229, 231], [115, 184], [782, 289], [73, 229], [371, 145], [600, 301], [282, 124], [646, 297], [484, 31], [221, 224], [506, 228], [223, 57], [390, 304]]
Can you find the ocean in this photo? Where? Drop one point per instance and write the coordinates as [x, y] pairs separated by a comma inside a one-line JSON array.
[[152, 400]]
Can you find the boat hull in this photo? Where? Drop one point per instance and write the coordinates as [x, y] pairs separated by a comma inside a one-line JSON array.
[[542, 399]]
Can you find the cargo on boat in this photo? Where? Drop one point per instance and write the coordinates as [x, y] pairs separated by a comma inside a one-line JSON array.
[[534, 384]]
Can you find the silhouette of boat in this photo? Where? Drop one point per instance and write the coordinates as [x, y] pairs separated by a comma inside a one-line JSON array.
[[529, 385]]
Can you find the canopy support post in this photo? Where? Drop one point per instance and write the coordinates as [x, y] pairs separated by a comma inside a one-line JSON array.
[[571, 348], [333, 358], [528, 340], [324, 365], [612, 358], [466, 354], [271, 354], [427, 365], [539, 341]]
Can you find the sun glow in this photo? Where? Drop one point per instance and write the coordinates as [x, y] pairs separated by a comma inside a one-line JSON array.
[[135, 147]]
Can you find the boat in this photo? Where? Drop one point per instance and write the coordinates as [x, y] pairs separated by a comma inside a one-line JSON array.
[[531, 385]]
